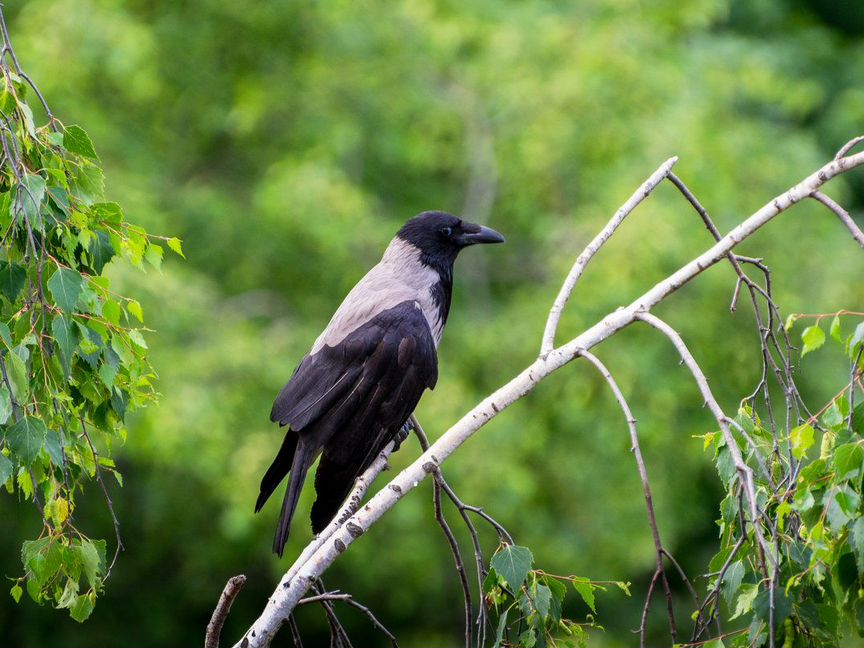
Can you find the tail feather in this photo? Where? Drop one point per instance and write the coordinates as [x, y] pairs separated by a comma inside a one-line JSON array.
[[278, 469], [304, 455]]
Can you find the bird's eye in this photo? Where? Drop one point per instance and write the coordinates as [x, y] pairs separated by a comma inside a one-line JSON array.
[[446, 231]]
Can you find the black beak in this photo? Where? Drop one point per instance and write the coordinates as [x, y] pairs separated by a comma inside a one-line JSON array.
[[482, 235]]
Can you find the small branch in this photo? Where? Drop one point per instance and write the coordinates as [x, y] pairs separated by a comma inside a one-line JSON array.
[[842, 214], [119, 542], [848, 146], [593, 247], [646, 491], [214, 628], [325, 598], [744, 471]]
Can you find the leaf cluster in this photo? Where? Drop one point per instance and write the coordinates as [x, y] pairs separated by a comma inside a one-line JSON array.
[[73, 358], [528, 603], [811, 526]]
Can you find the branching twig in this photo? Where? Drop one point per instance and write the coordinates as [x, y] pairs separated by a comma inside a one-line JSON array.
[[593, 247]]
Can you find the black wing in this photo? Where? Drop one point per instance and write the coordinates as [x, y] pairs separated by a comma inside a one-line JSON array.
[[351, 399]]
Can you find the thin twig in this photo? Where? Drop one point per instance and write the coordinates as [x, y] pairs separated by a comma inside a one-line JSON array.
[[842, 214], [646, 492], [114, 520], [223, 607], [593, 247]]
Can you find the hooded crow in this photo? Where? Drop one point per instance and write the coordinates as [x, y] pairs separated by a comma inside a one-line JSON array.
[[354, 391]]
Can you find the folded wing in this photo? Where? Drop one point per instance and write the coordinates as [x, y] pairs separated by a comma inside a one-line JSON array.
[[347, 402]]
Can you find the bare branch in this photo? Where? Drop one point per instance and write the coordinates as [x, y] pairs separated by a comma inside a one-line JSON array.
[[214, 628], [842, 214], [593, 247], [646, 491], [848, 146]]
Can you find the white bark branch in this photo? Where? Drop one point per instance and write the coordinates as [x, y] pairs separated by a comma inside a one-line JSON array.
[[842, 214], [593, 247], [289, 592]]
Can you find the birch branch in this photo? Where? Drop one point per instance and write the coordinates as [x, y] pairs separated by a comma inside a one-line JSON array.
[[314, 563], [842, 214], [659, 572], [594, 246]]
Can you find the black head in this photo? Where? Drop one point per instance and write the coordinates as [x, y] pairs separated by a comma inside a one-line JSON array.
[[440, 236]]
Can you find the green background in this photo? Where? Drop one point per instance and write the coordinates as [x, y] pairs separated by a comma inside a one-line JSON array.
[[285, 142]]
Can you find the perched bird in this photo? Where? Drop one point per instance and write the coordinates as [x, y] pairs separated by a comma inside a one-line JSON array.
[[354, 391]]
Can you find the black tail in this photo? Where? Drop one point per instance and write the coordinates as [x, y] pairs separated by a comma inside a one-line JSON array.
[[333, 482], [278, 469], [303, 457]]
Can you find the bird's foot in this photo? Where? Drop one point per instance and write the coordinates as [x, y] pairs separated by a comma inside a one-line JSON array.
[[402, 434]]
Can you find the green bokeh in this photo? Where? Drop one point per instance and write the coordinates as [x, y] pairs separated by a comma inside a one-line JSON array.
[[286, 142]]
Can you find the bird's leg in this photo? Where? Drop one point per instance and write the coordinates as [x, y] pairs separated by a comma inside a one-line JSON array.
[[403, 433]]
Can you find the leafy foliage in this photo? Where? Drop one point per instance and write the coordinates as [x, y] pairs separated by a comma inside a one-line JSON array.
[[73, 359], [812, 496], [529, 603]]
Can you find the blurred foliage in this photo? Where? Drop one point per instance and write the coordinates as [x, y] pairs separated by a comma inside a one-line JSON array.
[[286, 142]]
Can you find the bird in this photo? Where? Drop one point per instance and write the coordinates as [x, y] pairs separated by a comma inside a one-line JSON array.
[[353, 393]]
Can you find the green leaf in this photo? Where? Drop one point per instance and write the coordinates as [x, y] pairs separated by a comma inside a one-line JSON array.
[[854, 340], [93, 560], [26, 438], [782, 606], [813, 337], [857, 542], [66, 336], [70, 594], [88, 183], [5, 408], [848, 461], [542, 600], [135, 308], [512, 563], [732, 581], [154, 254], [177, 245], [75, 140], [29, 197], [802, 439], [54, 447], [111, 311], [858, 418], [82, 608], [725, 466], [12, 278], [832, 417], [502, 625], [65, 285], [6, 468], [137, 338], [586, 591], [834, 330], [16, 592], [16, 370], [101, 251]]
